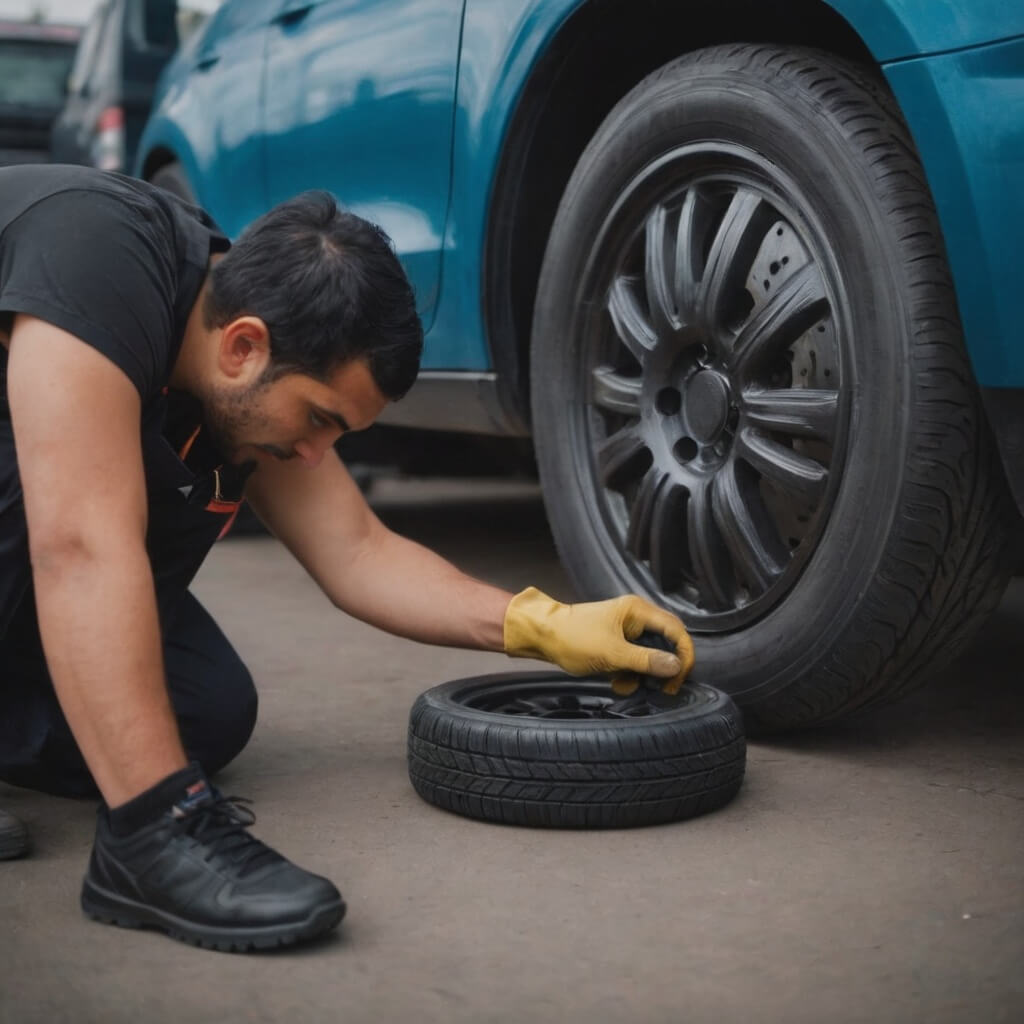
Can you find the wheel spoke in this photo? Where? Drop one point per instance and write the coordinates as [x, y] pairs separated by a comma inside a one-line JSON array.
[[613, 392], [668, 534], [638, 534], [799, 412], [657, 526], [708, 559], [796, 307], [732, 253], [737, 509], [621, 456], [694, 221], [721, 523], [629, 321], [789, 469], [659, 274]]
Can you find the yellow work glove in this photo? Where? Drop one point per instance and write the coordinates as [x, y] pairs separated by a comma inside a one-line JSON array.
[[586, 639]]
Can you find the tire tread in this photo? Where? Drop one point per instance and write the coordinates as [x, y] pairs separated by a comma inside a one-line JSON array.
[[633, 773]]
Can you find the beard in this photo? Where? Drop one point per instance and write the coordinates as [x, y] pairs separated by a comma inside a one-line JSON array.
[[231, 420]]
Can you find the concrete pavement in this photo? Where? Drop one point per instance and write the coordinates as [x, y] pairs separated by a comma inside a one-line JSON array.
[[870, 872]]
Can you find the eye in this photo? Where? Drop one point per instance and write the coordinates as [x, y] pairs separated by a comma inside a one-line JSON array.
[[317, 420]]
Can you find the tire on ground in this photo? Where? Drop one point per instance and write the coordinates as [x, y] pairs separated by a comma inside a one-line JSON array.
[[685, 760], [885, 578], [171, 178]]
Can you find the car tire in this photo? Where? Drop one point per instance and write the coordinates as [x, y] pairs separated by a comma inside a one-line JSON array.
[[549, 750], [750, 395], [171, 178]]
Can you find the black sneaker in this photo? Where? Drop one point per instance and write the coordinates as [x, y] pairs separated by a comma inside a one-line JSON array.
[[199, 876], [13, 837]]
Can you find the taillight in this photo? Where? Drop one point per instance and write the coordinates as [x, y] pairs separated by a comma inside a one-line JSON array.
[[108, 150]]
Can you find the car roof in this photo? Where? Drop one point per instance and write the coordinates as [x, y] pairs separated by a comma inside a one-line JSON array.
[[46, 33]]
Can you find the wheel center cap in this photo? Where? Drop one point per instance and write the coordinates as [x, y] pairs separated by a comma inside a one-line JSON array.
[[706, 405]]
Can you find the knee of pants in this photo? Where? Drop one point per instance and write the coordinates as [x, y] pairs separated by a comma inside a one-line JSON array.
[[217, 732]]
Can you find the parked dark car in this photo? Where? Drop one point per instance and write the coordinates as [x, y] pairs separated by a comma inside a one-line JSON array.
[[34, 65], [123, 50]]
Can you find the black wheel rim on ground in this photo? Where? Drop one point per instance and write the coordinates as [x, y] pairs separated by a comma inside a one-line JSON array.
[[712, 355], [575, 701], [549, 750]]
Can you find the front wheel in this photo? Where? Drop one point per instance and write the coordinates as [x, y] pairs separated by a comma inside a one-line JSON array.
[[751, 400], [172, 178]]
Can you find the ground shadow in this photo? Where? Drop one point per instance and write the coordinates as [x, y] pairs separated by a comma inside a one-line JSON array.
[[977, 700]]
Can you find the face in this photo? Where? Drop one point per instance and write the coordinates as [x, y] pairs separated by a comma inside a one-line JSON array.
[[293, 417]]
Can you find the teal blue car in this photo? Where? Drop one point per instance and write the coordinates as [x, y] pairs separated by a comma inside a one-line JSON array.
[[745, 274]]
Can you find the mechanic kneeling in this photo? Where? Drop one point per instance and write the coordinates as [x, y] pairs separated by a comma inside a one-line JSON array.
[[153, 376]]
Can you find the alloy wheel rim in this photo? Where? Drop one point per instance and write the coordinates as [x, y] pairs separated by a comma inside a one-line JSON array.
[[716, 414], [575, 700]]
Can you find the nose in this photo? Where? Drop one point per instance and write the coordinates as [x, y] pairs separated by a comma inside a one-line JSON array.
[[311, 454]]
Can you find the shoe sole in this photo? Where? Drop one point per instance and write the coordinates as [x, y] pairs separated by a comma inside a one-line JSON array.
[[110, 908]]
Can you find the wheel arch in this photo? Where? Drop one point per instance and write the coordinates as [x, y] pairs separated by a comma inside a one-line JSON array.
[[159, 156], [560, 106], [164, 143]]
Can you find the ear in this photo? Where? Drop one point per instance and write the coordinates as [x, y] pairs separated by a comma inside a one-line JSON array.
[[243, 351]]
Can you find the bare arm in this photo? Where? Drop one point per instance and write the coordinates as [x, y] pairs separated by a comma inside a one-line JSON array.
[[366, 569], [79, 456]]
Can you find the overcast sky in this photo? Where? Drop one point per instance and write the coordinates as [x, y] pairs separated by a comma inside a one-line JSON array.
[[56, 10]]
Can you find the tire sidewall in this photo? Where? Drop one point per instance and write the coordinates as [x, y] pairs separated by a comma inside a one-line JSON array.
[[171, 178], [524, 770], [688, 101]]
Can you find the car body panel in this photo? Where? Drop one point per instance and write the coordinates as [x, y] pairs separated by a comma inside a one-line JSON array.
[[212, 113], [894, 29], [966, 113], [972, 79], [345, 114], [500, 45]]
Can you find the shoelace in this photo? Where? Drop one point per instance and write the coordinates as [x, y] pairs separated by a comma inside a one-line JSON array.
[[221, 826]]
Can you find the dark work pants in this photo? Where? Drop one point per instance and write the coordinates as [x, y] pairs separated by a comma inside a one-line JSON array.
[[211, 690]]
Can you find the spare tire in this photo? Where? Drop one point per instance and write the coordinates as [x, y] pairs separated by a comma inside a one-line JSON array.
[[555, 751]]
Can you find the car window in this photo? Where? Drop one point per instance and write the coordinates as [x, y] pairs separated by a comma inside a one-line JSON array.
[[34, 74], [152, 24]]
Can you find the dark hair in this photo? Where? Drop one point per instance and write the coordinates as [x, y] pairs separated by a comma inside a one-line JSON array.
[[330, 289]]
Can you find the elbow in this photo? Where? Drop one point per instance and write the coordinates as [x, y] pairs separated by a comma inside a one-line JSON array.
[[59, 553], [55, 552]]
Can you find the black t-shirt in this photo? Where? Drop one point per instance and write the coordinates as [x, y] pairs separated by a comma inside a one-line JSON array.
[[119, 264], [114, 261]]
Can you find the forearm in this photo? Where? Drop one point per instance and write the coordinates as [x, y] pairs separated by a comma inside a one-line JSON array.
[[398, 585], [408, 590], [100, 631]]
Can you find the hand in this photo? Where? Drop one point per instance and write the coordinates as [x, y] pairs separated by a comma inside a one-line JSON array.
[[591, 638]]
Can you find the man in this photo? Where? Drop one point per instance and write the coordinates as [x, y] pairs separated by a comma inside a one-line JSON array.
[[152, 375]]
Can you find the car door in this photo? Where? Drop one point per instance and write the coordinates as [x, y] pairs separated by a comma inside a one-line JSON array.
[[360, 101], [221, 98]]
